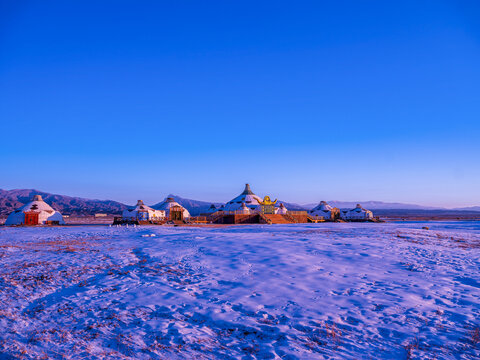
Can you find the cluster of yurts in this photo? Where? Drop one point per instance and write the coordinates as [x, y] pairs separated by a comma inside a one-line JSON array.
[[39, 212]]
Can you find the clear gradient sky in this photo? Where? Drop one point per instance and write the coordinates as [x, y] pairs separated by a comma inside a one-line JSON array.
[[345, 100]]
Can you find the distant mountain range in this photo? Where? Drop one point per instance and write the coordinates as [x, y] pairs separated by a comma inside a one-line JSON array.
[[12, 199], [374, 205], [470, 208]]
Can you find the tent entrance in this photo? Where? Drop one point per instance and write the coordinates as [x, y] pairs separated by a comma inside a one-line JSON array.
[[176, 213], [31, 218]]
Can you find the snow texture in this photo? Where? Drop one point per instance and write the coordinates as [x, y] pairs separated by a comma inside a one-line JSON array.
[[309, 291]]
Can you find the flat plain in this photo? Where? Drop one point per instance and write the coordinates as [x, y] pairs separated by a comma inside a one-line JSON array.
[[307, 291]]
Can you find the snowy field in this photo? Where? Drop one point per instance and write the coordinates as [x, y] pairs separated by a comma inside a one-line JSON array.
[[310, 291]]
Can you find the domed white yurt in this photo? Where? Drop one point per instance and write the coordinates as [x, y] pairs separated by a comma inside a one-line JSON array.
[[282, 210], [142, 212], [173, 210], [244, 210], [36, 212], [251, 200], [357, 214], [326, 211]]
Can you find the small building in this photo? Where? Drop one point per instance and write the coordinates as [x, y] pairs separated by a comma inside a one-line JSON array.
[[100, 215], [142, 212], [326, 211], [244, 210], [36, 212], [282, 210], [173, 210], [357, 214]]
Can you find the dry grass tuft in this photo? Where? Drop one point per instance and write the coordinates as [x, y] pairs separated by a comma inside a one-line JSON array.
[[475, 336], [410, 347]]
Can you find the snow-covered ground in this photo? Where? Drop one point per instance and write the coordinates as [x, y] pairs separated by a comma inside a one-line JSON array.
[[343, 291]]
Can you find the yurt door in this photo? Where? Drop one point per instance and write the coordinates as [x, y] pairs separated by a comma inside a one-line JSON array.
[[176, 213], [31, 218]]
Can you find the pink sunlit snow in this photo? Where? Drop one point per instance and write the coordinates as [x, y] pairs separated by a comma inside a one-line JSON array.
[[350, 291]]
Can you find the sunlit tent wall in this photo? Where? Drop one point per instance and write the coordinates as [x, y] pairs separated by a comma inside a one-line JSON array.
[[171, 208], [326, 211], [357, 214], [36, 212], [142, 212], [251, 200]]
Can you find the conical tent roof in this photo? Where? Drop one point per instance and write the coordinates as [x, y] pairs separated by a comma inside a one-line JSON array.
[[323, 207], [212, 209], [247, 190], [247, 196], [37, 205]]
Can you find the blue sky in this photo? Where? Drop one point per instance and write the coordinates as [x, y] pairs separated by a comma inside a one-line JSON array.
[[345, 100]]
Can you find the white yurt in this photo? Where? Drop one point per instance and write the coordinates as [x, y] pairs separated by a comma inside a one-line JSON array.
[[282, 210], [244, 210], [357, 214], [36, 212], [326, 211], [247, 196], [168, 203], [142, 212]]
